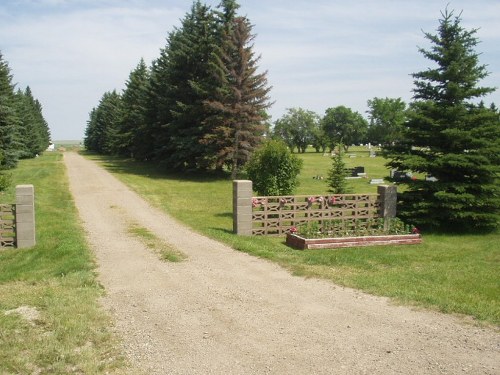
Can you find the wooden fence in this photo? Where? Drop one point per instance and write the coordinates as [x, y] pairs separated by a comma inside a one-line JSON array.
[[277, 214]]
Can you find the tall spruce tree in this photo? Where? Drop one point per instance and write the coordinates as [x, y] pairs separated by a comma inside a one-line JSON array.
[[451, 137], [236, 126], [103, 125], [35, 134], [180, 83], [9, 119], [132, 134]]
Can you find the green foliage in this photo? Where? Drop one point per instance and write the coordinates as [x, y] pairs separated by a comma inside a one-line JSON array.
[[337, 174], [101, 133], [452, 138], [342, 125], [202, 104], [24, 133], [343, 228], [9, 119], [387, 117], [298, 128], [274, 169], [132, 135]]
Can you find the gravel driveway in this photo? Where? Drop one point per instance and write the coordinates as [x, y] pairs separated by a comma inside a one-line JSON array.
[[225, 312]]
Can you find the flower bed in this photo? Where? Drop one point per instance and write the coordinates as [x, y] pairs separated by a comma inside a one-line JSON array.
[[298, 242]]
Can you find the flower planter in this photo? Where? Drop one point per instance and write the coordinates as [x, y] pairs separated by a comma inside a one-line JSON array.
[[301, 243]]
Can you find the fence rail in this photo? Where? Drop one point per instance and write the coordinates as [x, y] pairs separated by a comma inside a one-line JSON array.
[[275, 215]]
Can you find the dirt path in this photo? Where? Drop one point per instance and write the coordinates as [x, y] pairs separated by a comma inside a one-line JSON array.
[[225, 312]]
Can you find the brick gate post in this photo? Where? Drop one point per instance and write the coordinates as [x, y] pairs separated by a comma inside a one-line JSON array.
[[25, 216], [242, 207]]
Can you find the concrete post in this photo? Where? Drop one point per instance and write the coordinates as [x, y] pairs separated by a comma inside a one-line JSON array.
[[25, 216], [388, 198], [242, 207]]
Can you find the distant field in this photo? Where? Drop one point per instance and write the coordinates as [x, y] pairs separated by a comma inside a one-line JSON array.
[[68, 144]]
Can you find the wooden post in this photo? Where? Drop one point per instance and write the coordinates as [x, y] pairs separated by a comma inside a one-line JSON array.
[[242, 207], [25, 216]]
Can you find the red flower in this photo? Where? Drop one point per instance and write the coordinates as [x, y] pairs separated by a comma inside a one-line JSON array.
[[293, 230], [415, 231]]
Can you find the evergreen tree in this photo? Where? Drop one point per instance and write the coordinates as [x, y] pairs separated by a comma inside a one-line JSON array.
[[35, 134], [132, 134], [103, 125], [180, 84], [91, 139], [236, 126], [337, 174], [451, 138], [9, 119]]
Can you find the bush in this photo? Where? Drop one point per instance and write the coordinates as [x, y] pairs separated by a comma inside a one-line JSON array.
[[274, 169]]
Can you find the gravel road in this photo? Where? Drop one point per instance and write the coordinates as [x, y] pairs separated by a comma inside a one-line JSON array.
[[225, 312]]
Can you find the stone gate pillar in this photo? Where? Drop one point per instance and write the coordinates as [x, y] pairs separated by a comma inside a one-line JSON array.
[[25, 216], [388, 198], [242, 207]]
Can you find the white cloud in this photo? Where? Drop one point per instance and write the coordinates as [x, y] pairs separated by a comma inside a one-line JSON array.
[[318, 53]]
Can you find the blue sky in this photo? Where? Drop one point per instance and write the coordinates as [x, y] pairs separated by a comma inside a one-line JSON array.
[[318, 54]]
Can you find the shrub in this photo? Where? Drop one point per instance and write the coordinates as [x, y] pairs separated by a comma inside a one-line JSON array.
[[274, 169], [337, 174]]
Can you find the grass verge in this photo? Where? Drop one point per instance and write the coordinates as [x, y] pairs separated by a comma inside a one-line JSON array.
[[65, 331], [164, 250], [449, 273]]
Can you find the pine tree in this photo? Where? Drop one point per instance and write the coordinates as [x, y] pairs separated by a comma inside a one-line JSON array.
[[103, 125], [236, 126], [132, 134], [9, 119], [451, 138], [337, 174], [35, 134], [180, 83]]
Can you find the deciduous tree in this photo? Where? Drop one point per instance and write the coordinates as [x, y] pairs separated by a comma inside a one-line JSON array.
[[387, 117], [343, 125]]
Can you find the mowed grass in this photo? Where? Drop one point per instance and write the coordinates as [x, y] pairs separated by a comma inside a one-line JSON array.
[[456, 274], [50, 319]]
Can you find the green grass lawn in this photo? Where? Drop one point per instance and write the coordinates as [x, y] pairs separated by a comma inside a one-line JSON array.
[[449, 273], [55, 280]]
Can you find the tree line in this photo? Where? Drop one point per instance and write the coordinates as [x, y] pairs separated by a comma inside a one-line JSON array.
[[201, 105], [24, 133], [300, 128]]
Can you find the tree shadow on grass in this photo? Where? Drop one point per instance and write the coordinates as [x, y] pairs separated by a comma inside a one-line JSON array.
[[122, 165]]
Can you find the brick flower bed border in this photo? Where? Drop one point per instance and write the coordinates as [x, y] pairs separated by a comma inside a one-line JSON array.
[[301, 243]]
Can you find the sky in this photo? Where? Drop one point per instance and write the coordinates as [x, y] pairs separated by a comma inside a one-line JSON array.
[[317, 53]]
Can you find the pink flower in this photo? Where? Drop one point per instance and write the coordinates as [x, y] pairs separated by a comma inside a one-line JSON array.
[[311, 199], [293, 230], [415, 230]]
